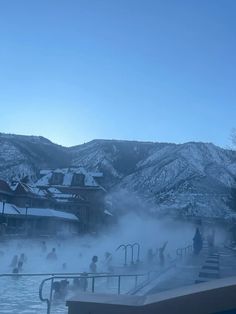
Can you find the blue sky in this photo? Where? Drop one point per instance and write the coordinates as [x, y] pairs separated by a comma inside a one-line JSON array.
[[75, 70]]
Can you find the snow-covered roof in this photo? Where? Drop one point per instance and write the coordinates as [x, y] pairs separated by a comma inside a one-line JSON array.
[[37, 191], [68, 173], [43, 172], [53, 190], [44, 180], [96, 174], [58, 195], [30, 189], [48, 212], [10, 209], [107, 212]]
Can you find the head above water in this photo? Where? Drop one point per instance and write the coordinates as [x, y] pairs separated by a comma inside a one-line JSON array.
[[107, 254], [64, 265], [95, 259]]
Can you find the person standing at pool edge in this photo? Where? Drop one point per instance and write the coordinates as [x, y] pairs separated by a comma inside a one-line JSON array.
[[197, 242], [93, 265]]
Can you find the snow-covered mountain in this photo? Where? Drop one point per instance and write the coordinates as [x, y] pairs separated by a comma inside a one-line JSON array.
[[185, 179], [22, 156]]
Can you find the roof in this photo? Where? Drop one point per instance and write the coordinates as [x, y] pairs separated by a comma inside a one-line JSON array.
[[23, 188], [10, 209], [68, 173], [107, 212], [4, 187], [48, 212], [62, 196]]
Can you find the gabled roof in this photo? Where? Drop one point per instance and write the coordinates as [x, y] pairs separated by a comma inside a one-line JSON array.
[[68, 173], [4, 187], [23, 188]]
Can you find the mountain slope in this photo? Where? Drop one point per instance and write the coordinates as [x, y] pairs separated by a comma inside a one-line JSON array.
[[184, 179], [22, 156], [190, 178], [116, 159]]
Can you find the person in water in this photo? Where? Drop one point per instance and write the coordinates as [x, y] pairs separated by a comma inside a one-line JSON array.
[[64, 266], [161, 254], [93, 264], [108, 262], [60, 289], [43, 247], [14, 261], [52, 256], [23, 258], [15, 270], [76, 283], [150, 256], [84, 281], [197, 242], [20, 265]]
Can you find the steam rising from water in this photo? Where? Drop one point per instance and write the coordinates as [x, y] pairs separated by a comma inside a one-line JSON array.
[[77, 252]]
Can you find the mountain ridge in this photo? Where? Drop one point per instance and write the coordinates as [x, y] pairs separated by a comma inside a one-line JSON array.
[[193, 178]]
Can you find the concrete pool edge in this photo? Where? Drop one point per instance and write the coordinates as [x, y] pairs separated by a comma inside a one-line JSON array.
[[210, 297]]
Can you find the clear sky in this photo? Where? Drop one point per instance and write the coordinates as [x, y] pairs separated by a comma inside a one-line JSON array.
[[75, 70]]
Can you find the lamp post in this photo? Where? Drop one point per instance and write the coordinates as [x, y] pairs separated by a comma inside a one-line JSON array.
[[26, 214], [3, 206], [88, 218], [26, 209]]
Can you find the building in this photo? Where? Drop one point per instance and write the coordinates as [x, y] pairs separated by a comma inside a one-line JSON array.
[[36, 221], [76, 191], [69, 190]]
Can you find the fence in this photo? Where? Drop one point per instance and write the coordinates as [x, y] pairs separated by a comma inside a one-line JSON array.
[[93, 278], [180, 252]]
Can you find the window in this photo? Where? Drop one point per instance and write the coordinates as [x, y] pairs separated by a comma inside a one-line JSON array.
[[78, 179], [57, 178]]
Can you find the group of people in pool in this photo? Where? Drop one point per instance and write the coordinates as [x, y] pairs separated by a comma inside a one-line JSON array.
[[62, 287], [18, 262]]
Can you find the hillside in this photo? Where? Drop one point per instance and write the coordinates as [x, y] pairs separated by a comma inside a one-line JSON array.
[[22, 156], [184, 179]]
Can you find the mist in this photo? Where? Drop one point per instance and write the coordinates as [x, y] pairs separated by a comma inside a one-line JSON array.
[[77, 252]]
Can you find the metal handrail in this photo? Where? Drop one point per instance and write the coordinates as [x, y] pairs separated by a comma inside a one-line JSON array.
[[132, 246], [93, 277], [138, 252], [53, 275], [42, 274], [184, 251], [151, 275], [125, 248]]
